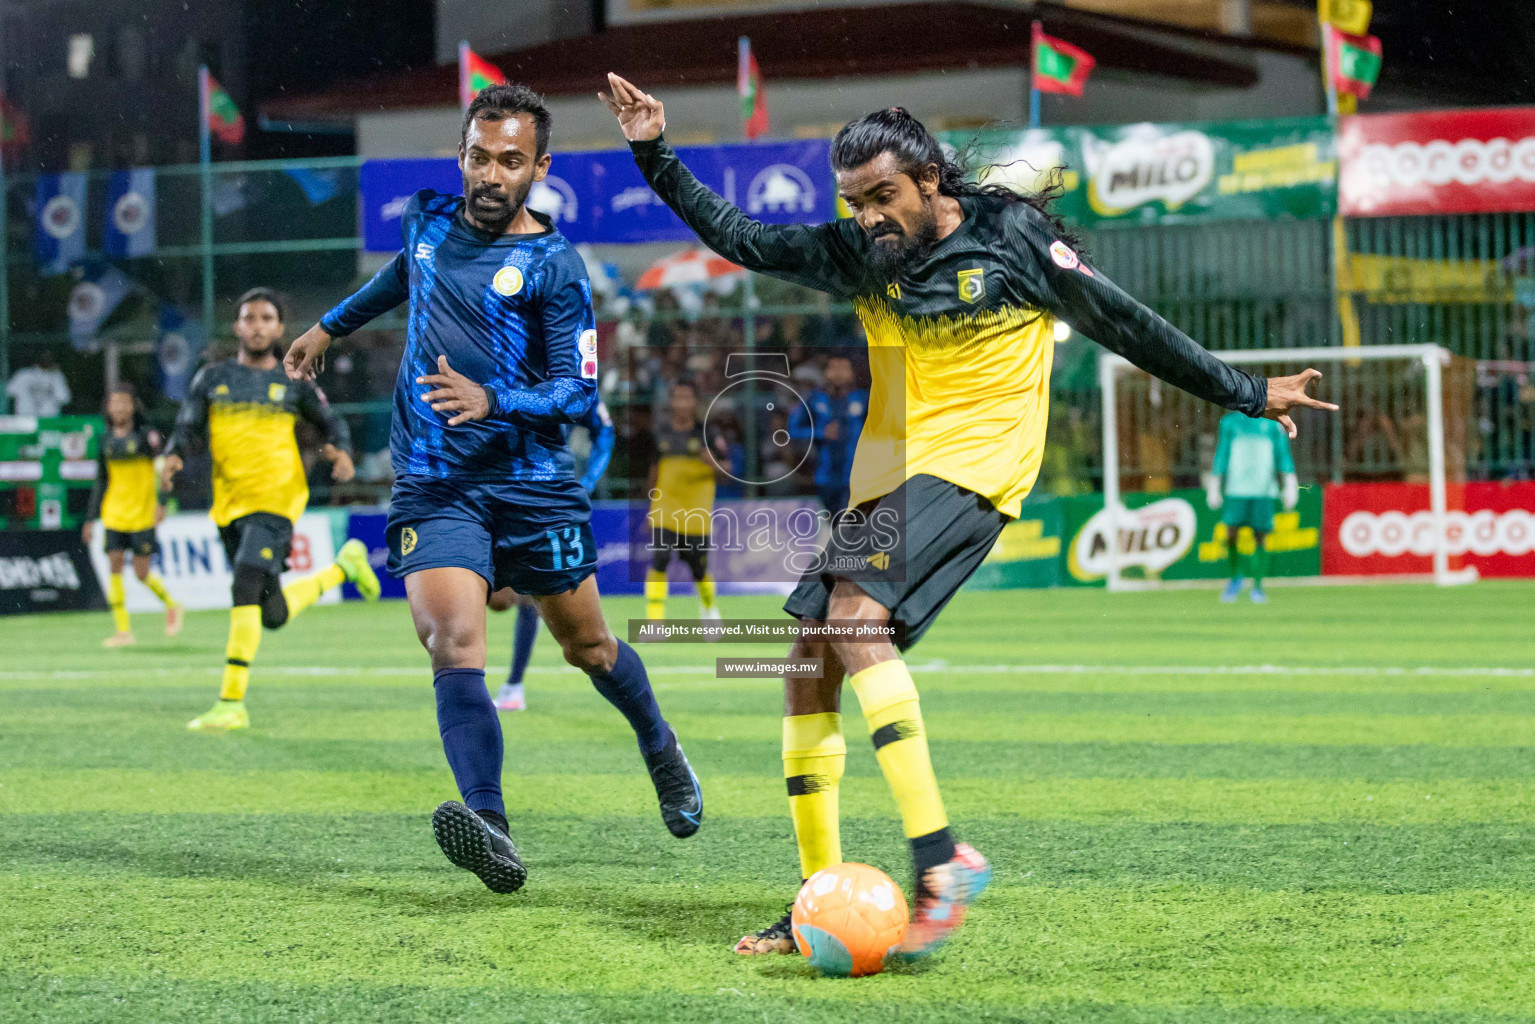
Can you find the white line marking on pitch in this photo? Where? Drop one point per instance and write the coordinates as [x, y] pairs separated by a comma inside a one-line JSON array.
[[322, 671]]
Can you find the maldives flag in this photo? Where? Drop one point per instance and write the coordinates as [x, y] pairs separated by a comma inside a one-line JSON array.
[[220, 112], [1355, 61], [1059, 66], [754, 115], [475, 73]]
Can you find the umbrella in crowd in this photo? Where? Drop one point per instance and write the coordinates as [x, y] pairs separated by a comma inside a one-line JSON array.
[[693, 266]]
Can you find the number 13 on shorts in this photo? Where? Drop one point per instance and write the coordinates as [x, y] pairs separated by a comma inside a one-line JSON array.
[[567, 551]]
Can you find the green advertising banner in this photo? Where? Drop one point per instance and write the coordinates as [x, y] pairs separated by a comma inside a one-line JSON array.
[[1173, 535], [1169, 173], [47, 468], [1027, 554]]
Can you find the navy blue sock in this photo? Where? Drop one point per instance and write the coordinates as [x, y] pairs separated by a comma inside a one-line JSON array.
[[522, 641], [471, 736], [627, 688]]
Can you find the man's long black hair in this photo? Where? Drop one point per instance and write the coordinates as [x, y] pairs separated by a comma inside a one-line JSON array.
[[897, 132]]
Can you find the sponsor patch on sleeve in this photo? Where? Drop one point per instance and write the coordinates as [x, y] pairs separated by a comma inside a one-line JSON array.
[[588, 347]]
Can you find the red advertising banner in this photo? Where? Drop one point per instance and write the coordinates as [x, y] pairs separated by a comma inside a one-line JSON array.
[[1439, 161], [1376, 529]]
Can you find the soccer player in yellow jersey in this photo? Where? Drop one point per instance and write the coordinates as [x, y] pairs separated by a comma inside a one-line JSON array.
[[681, 490], [957, 287], [247, 408], [126, 499]]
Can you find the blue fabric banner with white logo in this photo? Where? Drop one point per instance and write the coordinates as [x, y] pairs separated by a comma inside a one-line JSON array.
[[130, 224], [93, 300], [58, 233], [181, 343], [599, 197]]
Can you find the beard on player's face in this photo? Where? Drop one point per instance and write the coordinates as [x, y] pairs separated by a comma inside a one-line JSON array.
[[896, 247], [494, 205]]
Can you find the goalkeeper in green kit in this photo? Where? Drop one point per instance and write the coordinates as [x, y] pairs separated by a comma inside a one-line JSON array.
[[1253, 471]]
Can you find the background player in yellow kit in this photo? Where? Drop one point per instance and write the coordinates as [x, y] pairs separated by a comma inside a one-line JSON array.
[[681, 490], [127, 501], [247, 406]]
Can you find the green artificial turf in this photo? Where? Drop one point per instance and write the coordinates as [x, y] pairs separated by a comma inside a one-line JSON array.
[[1321, 810]]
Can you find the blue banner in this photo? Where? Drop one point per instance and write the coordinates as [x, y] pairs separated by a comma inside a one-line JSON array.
[[130, 226], [93, 300], [58, 233], [181, 343], [599, 197]]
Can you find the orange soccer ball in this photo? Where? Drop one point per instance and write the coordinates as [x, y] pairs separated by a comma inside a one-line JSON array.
[[847, 918]]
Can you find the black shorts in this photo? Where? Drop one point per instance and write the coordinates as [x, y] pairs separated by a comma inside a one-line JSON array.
[[693, 549], [910, 550], [258, 541], [142, 543]]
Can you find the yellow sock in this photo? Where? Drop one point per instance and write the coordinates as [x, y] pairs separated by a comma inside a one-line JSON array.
[[306, 590], [117, 597], [244, 638], [813, 757], [889, 702], [157, 587], [706, 591], [655, 594]]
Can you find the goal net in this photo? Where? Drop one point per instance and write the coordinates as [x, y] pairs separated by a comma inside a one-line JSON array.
[[1404, 419]]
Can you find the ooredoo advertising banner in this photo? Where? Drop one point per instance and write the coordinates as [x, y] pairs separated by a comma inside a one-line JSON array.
[[1438, 161], [1377, 529], [192, 561]]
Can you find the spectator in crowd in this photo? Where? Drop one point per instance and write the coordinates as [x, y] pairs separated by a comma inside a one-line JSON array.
[[832, 418], [38, 390]]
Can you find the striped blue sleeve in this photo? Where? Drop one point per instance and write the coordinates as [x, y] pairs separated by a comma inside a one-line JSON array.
[[600, 425], [569, 327]]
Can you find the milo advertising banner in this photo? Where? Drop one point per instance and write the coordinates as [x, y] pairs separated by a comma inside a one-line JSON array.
[[1174, 535], [1169, 173]]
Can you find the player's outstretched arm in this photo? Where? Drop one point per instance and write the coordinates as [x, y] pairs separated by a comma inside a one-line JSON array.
[[1095, 306], [822, 256]]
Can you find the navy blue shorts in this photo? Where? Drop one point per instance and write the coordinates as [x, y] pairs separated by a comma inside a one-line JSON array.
[[534, 537]]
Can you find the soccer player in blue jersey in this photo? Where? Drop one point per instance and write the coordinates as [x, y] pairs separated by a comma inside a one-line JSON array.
[[512, 696], [500, 359], [833, 419]]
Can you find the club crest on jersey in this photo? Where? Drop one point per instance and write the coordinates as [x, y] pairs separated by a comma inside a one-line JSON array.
[[407, 541], [276, 392], [508, 281], [972, 284]]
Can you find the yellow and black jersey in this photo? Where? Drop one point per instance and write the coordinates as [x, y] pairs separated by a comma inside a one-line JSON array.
[[127, 490], [960, 343], [249, 415], [684, 480]]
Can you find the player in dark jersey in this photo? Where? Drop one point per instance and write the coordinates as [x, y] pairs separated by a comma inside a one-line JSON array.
[[127, 500], [246, 408], [513, 696], [957, 287], [681, 490], [500, 359]]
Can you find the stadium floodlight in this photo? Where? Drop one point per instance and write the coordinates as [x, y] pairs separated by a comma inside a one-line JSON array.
[[1346, 373]]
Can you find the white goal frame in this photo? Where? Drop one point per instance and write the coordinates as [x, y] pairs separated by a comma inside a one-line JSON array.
[[1434, 359]]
